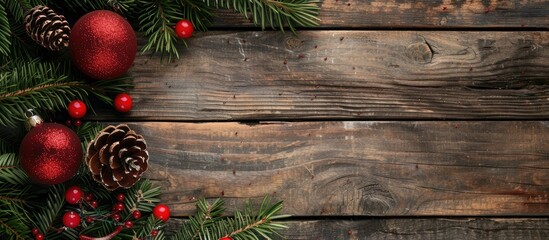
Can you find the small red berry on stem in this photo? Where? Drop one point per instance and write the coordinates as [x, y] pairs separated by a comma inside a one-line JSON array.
[[184, 28], [71, 219], [154, 233], [35, 231], [39, 236], [73, 195], [161, 212], [94, 204], [118, 207], [88, 197], [116, 217], [77, 123], [136, 214], [120, 197], [123, 103], [89, 219], [225, 238], [128, 224], [77, 109]]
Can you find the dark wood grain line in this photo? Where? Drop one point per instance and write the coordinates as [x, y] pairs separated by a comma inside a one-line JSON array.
[[413, 228], [419, 14], [356, 168], [347, 75]]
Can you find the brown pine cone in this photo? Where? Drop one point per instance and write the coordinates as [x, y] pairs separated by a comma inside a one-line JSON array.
[[47, 28], [117, 157]]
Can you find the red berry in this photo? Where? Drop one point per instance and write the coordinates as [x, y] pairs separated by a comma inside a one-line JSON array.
[[120, 197], [35, 231], [77, 123], [128, 224], [161, 212], [39, 236], [136, 214], [94, 204], [116, 217], [184, 28], [88, 197], [123, 103], [77, 109], [89, 219], [118, 207], [73, 195], [154, 233], [68, 122], [225, 238], [71, 219]]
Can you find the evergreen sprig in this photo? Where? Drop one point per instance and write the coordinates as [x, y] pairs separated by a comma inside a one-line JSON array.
[[10, 172], [208, 224], [44, 218]]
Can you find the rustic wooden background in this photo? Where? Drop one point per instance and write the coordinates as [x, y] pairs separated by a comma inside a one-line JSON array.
[[394, 119]]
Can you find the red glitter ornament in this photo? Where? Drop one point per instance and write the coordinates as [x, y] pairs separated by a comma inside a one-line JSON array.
[[103, 45], [50, 153]]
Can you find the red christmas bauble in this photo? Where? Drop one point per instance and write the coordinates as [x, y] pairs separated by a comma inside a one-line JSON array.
[[184, 28], [103, 45], [50, 153], [161, 212], [123, 103]]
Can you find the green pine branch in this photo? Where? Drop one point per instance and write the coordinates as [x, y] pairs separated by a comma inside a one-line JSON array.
[[10, 171], [208, 224], [13, 225], [5, 32], [45, 217]]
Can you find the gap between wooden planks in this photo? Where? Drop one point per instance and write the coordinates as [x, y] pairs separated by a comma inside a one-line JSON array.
[[356, 168]]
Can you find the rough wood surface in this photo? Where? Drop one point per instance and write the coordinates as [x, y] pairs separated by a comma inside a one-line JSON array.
[[420, 229], [356, 168], [421, 13], [348, 75], [416, 228]]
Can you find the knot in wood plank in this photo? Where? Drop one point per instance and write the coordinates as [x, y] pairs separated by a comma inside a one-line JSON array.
[[420, 52], [293, 43]]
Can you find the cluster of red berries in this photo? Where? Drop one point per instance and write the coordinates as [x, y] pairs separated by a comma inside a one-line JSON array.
[[77, 108]]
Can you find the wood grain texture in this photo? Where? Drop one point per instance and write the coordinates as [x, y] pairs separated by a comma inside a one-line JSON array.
[[356, 168], [420, 13], [347, 75], [415, 229], [420, 229]]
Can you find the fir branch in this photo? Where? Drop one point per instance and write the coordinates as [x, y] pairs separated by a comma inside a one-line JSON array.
[[45, 217], [5, 32], [17, 8], [274, 13], [157, 19], [10, 171], [12, 226], [13, 218], [198, 12], [142, 196]]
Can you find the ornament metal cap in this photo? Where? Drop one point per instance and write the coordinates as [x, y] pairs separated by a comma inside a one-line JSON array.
[[33, 119]]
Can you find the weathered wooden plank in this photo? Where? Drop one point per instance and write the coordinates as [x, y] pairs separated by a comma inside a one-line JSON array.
[[420, 13], [356, 168], [415, 228], [423, 229], [348, 75]]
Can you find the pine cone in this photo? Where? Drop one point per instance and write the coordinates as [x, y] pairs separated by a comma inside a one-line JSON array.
[[117, 157], [47, 28]]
